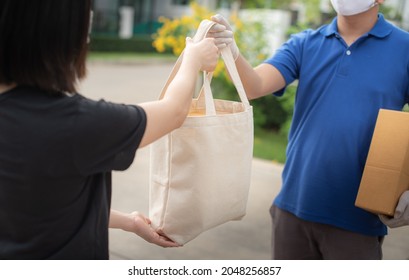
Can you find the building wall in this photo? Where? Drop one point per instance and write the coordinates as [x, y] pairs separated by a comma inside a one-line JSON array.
[[169, 8]]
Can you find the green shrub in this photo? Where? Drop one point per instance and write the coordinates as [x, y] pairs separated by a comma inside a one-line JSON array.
[[139, 44]]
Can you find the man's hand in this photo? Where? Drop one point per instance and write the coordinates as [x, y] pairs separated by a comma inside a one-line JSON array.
[[223, 35], [401, 216]]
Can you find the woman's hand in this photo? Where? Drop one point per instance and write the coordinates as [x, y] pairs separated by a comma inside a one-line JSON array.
[[140, 225]]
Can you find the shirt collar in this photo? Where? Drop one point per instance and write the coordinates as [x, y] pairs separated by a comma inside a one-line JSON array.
[[381, 29]]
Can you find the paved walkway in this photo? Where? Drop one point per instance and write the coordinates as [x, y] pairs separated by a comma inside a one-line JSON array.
[[246, 239]]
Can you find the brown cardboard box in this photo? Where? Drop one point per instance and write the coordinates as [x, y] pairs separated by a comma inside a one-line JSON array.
[[386, 173]]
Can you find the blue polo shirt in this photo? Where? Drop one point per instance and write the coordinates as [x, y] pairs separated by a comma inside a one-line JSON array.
[[340, 91]]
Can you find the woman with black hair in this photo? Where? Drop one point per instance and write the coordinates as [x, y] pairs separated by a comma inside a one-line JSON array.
[[57, 147]]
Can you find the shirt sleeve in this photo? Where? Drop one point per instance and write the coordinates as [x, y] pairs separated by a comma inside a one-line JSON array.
[[287, 58], [107, 135]]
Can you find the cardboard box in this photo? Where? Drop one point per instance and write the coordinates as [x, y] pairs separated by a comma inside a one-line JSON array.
[[386, 173]]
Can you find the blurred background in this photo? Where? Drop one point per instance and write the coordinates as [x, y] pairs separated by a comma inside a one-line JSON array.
[[151, 30], [126, 18]]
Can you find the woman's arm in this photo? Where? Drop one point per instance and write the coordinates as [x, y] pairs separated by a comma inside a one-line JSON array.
[[169, 113]]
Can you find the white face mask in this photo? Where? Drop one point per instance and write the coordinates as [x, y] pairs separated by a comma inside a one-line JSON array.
[[352, 7]]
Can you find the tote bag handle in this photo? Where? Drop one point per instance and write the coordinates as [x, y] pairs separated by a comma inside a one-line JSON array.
[[234, 74], [201, 33], [230, 64]]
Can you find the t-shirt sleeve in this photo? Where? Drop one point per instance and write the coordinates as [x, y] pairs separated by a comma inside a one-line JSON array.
[[107, 135], [287, 59]]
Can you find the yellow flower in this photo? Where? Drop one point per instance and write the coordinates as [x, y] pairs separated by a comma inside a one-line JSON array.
[[172, 34], [159, 45], [220, 69], [170, 41], [261, 56], [238, 24]]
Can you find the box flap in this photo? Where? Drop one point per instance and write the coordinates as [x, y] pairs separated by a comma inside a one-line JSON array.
[[390, 141], [386, 173]]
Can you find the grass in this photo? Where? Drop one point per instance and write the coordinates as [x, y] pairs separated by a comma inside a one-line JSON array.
[[267, 145]]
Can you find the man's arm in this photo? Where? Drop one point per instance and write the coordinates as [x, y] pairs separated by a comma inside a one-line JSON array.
[[261, 80]]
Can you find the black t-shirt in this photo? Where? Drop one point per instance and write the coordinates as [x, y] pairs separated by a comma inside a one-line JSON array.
[[56, 157]]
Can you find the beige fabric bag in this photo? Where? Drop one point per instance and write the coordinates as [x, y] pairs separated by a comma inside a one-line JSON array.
[[200, 173]]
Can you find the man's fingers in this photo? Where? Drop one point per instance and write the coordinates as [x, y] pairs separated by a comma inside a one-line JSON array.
[[223, 34]]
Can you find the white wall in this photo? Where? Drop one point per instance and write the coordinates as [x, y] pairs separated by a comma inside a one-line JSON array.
[[167, 9], [276, 24]]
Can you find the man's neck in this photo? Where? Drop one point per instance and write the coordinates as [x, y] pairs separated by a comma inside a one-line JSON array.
[[353, 27]]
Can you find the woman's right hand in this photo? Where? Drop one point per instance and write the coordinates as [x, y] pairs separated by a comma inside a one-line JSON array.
[[205, 53], [170, 112]]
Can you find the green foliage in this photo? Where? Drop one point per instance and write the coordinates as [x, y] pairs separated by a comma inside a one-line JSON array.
[[294, 29], [140, 44], [260, 4], [313, 12], [272, 4], [269, 113], [274, 113], [269, 145]]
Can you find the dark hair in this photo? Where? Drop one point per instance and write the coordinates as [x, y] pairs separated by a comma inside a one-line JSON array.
[[43, 43]]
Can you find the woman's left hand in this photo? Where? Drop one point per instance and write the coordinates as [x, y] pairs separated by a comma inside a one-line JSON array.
[[142, 227]]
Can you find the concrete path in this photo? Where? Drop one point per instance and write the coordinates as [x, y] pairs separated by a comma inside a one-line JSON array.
[[246, 239]]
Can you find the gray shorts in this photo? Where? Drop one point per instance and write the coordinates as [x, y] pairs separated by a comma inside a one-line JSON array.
[[297, 239]]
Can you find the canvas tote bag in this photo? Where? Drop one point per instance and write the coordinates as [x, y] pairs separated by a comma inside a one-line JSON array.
[[200, 173]]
